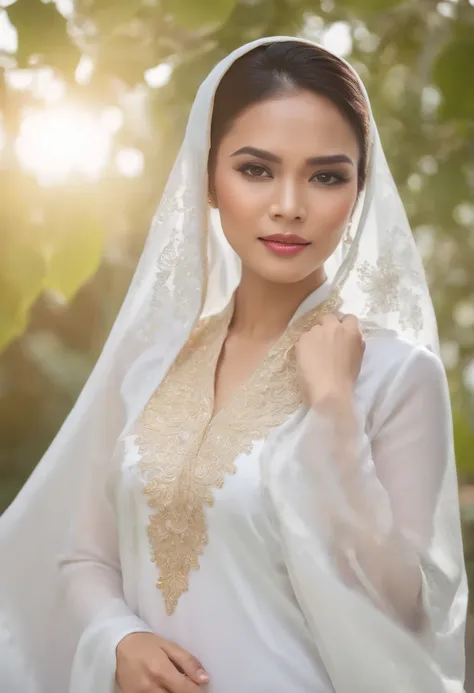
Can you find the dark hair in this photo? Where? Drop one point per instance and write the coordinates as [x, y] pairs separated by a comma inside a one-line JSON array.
[[285, 65]]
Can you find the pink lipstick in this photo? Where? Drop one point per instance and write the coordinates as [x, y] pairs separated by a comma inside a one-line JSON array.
[[286, 245]]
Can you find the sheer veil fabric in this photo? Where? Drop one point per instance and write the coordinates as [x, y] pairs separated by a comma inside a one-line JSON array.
[[187, 268]]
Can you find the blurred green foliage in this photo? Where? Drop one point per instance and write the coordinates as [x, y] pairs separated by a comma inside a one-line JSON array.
[[68, 251]]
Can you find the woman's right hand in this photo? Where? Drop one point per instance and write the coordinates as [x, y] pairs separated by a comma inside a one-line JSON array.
[[147, 663]]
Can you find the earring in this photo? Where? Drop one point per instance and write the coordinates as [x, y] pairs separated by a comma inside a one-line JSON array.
[[211, 195], [347, 239]]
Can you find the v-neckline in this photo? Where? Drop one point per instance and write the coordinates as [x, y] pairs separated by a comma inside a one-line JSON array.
[[319, 301], [246, 382], [182, 463]]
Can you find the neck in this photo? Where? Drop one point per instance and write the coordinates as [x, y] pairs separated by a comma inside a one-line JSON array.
[[263, 309]]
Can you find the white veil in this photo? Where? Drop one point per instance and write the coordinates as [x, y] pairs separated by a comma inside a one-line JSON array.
[[183, 271]]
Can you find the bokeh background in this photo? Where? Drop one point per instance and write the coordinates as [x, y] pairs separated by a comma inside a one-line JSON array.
[[94, 96]]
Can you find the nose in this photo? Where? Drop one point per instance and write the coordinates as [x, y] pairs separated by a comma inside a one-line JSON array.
[[288, 204]]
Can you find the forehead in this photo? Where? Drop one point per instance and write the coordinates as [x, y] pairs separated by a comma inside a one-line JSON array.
[[293, 121]]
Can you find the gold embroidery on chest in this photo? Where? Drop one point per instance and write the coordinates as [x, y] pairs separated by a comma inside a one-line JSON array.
[[186, 454]]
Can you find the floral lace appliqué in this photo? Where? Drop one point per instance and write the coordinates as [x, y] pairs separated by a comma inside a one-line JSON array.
[[383, 285], [186, 452]]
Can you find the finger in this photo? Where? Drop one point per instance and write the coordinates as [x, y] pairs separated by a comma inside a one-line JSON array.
[[350, 318], [174, 682], [330, 319], [189, 665], [325, 320], [155, 687], [351, 322]]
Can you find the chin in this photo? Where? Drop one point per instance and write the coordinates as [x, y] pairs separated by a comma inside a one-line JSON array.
[[283, 271]]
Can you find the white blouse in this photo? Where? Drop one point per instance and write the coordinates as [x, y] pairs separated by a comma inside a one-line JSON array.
[[180, 538]]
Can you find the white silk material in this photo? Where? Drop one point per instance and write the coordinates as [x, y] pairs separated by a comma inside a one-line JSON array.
[[333, 559]]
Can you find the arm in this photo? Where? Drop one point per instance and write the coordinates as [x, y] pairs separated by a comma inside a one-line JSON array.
[[92, 584], [383, 521], [351, 507], [92, 580]]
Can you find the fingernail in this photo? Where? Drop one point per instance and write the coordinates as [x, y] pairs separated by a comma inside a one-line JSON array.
[[202, 676]]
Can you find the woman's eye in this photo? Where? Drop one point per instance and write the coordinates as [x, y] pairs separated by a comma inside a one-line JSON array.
[[255, 171], [328, 178]]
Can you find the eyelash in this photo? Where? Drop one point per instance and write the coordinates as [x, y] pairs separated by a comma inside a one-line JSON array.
[[245, 169]]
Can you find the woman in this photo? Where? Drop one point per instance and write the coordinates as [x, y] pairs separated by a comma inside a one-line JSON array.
[[255, 491]]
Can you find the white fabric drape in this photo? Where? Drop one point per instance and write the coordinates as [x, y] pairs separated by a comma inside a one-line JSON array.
[[389, 499], [183, 270]]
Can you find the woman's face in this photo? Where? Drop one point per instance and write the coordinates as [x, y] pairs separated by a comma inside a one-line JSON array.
[[285, 184]]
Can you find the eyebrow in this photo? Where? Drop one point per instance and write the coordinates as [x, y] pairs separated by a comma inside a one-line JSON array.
[[311, 161]]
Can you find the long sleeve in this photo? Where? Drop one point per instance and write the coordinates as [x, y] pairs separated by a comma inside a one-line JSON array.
[[92, 582], [384, 518], [379, 499]]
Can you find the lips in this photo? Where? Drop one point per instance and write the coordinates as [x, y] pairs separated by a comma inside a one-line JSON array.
[[285, 239], [285, 245]]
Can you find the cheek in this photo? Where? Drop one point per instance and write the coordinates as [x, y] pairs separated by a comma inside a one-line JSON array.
[[234, 193], [241, 205], [330, 210]]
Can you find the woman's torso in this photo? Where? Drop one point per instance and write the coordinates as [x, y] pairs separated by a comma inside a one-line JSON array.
[[210, 574], [202, 560]]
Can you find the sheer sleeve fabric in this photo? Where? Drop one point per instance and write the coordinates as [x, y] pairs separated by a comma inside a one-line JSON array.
[[384, 519], [91, 580], [378, 501]]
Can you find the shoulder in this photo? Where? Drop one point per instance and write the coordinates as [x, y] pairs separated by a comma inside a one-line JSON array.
[[395, 368], [388, 353]]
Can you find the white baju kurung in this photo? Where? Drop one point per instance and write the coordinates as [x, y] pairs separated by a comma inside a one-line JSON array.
[[359, 557], [181, 538]]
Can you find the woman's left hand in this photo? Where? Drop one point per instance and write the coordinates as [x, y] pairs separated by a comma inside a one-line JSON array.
[[329, 358]]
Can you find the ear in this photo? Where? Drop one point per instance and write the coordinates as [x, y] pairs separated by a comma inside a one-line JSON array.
[[211, 198]]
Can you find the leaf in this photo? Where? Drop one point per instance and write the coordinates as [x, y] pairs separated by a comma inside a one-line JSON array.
[[107, 15], [464, 444], [75, 254], [42, 32], [11, 327], [21, 281], [451, 73], [124, 57], [22, 271], [370, 6], [197, 14]]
